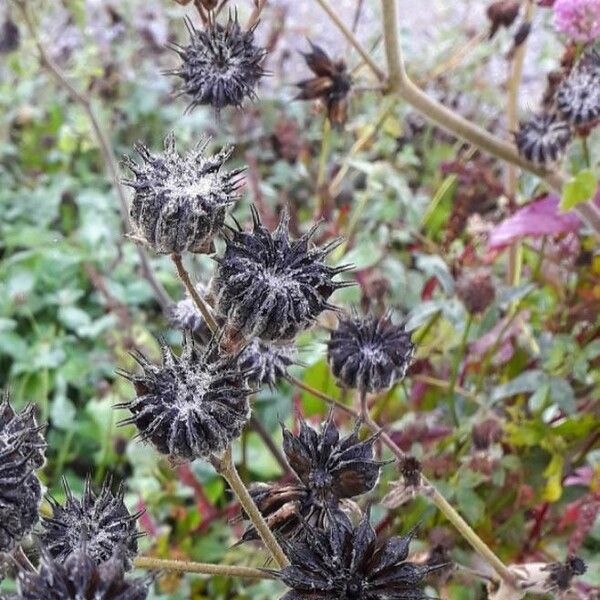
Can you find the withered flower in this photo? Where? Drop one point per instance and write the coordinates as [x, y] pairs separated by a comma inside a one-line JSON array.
[[350, 563], [221, 66], [193, 405], [80, 577], [270, 287], [266, 364], [180, 201], [543, 139], [476, 289], [21, 452], [369, 353], [332, 84], [98, 523], [330, 470]]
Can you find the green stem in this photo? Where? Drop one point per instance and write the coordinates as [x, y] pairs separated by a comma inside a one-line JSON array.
[[456, 367]]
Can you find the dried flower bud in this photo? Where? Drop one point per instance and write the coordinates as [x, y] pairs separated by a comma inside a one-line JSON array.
[[369, 353], [98, 523], [180, 202], [502, 13], [543, 139], [578, 96], [21, 451], [9, 36], [266, 364], [221, 65], [561, 574], [270, 287], [193, 405], [476, 290], [349, 563], [79, 577], [184, 315], [332, 84], [411, 471], [329, 470], [486, 433]]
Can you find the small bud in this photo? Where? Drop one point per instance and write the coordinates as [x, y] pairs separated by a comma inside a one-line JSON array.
[[411, 471], [502, 13], [476, 290]]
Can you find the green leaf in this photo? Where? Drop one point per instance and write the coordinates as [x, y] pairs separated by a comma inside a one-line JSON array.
[[578, 189]]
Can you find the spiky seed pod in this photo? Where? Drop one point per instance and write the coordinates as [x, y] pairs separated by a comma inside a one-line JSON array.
[[370, 354], [21, 451], [543, 139], [332, 84], [411, 471], [330, 470], [180, 201], [221, 66], [578, 97], [80, 577], [349, 563], [266, 364], [193, 405], [98, 522], [270, 287], [477, 291], [561, 574]]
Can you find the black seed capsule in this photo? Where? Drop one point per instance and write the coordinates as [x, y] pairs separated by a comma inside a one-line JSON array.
[[180, 201], [543, 139]]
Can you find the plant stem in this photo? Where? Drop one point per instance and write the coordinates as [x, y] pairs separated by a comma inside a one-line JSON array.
[[267, 440], [105, 148], [456, 367], [351, 38], [184, 566], [443, 505], [22, 560], [226, 468], [255, 16], [200, 303], [317, 394], [325, 146]]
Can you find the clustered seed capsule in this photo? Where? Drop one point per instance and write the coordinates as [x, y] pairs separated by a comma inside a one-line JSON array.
[[221, 66], [180, 201], [21, 452], [543, 138], [270, 287], [98, 522], [79, 577], [332, 84], [349, 563], [578, 95], [330, 469], [370, 353], [191, 406]]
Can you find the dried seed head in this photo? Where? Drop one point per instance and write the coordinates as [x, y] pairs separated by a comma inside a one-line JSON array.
[[184, 315], [476, 290], [330, 469], [578, 96], [561, 574], [80, 577], [193, 405], [221, 66], [411, 471], [180, 202], [543, 139], [332, 84], [21, 451], [270, 287], [96, 524], [369, 353], [266, 364], [349, 563]]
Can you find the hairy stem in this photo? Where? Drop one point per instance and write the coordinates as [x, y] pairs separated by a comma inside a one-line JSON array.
[[200, 303], [184, 566], [161, 295], [347, 33], [226, 468], [443, 505]]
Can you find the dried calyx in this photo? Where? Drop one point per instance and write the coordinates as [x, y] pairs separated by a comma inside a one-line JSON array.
[[331, 84], [221, 66], [180, 201], [330, 470], [22, 449], [192, 405], [370, 353], [350, 563], [271, 287], [98, 523]]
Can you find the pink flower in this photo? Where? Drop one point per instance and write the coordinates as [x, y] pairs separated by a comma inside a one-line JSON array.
[[579, 19]]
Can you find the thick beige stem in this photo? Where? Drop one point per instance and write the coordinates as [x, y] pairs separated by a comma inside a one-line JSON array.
[[184, 566]]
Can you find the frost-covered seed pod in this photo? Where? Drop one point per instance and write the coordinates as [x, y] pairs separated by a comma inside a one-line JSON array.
[[578, 97], [543, 139]]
